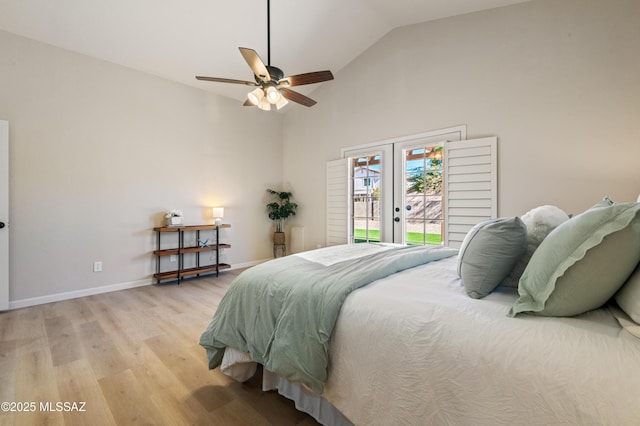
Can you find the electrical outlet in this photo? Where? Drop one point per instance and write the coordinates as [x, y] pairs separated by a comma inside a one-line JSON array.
[[97, 266]]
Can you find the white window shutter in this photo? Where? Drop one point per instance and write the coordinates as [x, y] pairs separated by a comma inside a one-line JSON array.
[[337, 202], [470, 185]]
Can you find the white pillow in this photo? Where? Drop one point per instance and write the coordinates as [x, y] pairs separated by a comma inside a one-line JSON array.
[[539, 221]]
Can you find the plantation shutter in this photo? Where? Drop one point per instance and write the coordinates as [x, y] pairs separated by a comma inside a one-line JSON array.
[[470, 186], [337, 202]]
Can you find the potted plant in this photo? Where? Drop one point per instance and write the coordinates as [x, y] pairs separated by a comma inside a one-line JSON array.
[[279, 211], [174, 217]]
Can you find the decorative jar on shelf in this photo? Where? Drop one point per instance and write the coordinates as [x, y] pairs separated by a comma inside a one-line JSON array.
[[174, 221], [173, 218]]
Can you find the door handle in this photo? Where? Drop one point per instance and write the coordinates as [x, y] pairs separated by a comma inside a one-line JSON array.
[[1, 225]]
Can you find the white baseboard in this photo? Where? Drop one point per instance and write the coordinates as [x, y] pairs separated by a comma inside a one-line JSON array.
[[23, 303], [40, 300]]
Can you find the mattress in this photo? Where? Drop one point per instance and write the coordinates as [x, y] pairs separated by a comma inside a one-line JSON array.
[[414, 349]]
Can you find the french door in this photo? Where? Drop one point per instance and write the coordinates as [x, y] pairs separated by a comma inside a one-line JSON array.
[[370, 194], [396, 189], [419, 192]]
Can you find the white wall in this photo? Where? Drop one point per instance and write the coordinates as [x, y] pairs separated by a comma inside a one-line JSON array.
[[99, 152], [557, 81]]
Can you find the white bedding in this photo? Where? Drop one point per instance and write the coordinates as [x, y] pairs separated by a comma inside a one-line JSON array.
[[414, 349]]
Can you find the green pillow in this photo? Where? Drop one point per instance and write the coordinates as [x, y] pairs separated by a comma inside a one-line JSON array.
[[582, 263], [489, 252]]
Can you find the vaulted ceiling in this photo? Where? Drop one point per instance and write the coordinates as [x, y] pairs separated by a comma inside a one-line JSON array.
[[178, 39]]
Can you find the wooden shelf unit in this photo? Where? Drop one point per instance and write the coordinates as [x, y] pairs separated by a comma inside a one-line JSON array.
[[181, 250]]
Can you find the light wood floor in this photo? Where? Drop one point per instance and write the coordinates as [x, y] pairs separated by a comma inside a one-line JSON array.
[[133, 357]]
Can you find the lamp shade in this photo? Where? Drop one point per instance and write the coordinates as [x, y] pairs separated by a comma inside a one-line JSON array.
[[255, 96], [282, 102], [218, 214], [273, 96], [264, 104]]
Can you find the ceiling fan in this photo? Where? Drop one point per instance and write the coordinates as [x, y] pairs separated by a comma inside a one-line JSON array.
[[272, 85]]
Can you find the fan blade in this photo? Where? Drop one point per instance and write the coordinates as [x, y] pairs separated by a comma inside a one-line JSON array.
[[297, 97], [307, 78], [248, 103], [255, 63], [226, 80]]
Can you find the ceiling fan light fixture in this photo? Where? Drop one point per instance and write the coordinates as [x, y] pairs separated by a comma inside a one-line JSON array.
[[273, 86], [264, 104], [281, 102], [255, 96], [273, 96]]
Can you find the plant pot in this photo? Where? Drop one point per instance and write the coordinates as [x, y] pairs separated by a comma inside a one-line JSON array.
[[278, 238]]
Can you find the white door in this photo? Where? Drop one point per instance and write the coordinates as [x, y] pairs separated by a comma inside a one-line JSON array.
[[377, 200], [461, 190], [4, 215], [419, 191], [370, 194]]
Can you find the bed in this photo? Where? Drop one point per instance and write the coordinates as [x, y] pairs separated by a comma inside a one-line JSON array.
[[419, 344]]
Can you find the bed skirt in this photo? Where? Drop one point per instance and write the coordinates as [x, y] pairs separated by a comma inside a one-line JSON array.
[[305, 400], [238, 365]]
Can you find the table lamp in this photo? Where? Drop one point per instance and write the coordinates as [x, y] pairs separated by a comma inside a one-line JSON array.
[[218, 214]]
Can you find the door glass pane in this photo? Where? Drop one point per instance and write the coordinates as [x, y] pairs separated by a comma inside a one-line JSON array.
[[365, 198], [423, 195]]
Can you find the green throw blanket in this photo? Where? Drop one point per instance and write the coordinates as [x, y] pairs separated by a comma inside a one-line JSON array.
[[283, 311]]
